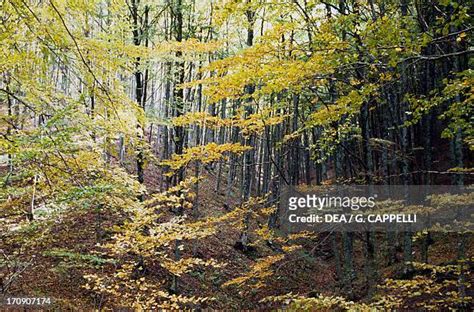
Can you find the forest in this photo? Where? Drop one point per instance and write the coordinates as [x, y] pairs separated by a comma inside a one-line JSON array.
[[146, 146]]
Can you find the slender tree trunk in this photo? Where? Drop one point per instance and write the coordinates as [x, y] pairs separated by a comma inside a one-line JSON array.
[[249, 156]]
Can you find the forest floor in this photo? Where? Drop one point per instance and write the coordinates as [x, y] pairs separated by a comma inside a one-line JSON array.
[[59, 255]]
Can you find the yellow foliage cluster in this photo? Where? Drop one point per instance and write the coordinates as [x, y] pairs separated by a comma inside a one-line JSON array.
[[202, 119], [254, 123], [182, 266], [296, 303], [432, 292], [139, 293], [149, 239], [192, 45], [253, 214], [259, 271], [203, 153]]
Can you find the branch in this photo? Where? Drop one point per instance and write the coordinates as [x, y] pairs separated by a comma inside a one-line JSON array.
[[436, 57], [89, 69], [18, 99]]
